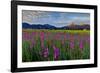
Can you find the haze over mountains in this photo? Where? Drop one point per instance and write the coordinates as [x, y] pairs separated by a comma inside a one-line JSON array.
[[48, 26]]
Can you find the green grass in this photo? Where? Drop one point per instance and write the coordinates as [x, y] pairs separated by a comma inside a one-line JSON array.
[[66, 53]]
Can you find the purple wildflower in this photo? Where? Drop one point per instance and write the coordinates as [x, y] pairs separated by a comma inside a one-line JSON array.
[[46, 52], [56, 52], [72, 45], [42, 39], [81, 44], [71, 41], [26, 36]]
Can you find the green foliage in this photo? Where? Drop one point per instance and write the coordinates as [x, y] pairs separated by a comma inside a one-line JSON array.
[[66, 53]]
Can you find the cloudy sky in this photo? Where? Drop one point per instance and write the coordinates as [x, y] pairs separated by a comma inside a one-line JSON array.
[[57, 19]]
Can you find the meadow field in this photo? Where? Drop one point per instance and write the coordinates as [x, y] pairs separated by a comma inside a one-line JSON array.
[[55, 45]]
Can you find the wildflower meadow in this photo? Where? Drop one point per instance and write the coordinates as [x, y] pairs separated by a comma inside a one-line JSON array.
[[55, 45]]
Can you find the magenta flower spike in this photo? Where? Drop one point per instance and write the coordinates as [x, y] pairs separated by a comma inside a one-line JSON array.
[[33, 34], [46, 52], [42, 39], [71, 45], [26, 35], [81, 45], [56, 53]]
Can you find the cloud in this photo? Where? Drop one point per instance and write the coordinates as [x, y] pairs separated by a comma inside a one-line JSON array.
[[57, 19], [33, 16]]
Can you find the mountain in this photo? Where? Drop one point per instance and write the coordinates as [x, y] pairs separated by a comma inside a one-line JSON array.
[[37, 26], [77, 27], [48, 26]]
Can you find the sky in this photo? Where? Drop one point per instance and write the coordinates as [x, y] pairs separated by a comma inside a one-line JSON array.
[[58, 19]]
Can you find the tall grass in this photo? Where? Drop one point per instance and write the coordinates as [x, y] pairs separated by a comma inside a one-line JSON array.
[[51, 45]]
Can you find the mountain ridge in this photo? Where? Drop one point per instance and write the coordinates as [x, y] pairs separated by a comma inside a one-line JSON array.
[[48, 26]]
